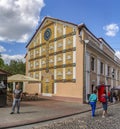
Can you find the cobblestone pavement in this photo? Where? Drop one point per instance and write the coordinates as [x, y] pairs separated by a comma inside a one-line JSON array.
[[84, 121], [39, 111]]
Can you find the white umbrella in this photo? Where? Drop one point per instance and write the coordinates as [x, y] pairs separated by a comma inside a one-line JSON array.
[[116, 88], [21, 78]]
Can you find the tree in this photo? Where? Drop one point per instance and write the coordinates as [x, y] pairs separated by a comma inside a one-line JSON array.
[[15, 67], [1, 62]]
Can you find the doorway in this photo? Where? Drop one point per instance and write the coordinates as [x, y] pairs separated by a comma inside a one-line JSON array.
[[47, 87]]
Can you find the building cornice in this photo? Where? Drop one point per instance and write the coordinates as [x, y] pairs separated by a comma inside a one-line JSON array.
[[104, 54]]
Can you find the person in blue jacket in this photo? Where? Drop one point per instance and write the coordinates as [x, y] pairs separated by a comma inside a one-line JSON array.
[[92, 102]]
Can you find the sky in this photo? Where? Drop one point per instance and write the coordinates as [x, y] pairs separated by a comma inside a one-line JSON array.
[[19, 20]]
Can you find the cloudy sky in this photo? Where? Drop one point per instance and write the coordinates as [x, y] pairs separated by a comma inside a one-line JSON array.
[[19, 20]]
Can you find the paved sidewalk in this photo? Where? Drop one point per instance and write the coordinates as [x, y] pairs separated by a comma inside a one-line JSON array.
[[39, 111]]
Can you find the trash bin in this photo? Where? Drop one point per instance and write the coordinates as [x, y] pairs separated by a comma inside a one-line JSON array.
[[3, 100]]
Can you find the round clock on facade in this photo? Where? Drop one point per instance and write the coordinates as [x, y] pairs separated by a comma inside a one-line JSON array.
[[47, 34]]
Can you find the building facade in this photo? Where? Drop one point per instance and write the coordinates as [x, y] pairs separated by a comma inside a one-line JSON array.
[[67, 66]]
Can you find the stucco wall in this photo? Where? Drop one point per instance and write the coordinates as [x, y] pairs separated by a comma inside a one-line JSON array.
[[32, 88], [74, 89]]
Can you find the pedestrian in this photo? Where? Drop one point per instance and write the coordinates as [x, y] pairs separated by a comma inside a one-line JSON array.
[[17, 95], [92, 102], [109, 95], [114, 97], [104, 98], [119, 95]]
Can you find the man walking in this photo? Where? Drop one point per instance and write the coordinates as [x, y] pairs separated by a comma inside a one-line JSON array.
[[17, 95]]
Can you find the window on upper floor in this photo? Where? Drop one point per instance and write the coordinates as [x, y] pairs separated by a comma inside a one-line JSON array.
[[37, 63], [92, 63], [31, 53], [37, 52], [31, 65], [108, 70], [113, 73], [36, 75], [118, 75], [101, 67]]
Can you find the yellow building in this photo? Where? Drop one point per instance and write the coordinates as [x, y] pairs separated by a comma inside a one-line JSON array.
[[67, 60]]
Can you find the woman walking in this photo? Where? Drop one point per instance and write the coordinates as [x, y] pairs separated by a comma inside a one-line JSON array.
[[93, 100]]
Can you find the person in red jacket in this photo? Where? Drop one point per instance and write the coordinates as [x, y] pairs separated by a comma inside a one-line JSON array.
[[104, 98]]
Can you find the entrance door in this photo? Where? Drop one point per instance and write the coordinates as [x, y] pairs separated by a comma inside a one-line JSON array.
[[47, 84]]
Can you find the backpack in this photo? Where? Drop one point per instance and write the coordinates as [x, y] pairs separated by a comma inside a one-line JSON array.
[[103, 99]]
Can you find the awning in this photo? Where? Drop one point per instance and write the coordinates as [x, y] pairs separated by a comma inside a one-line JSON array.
[[116, 88], [102, 85], [21, 78]]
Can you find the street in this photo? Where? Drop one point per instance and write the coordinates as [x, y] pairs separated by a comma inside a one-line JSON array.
[[83, 121]]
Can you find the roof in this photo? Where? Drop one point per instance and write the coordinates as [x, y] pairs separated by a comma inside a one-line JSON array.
[[83, 25], [25, 55], [80, 26], [4, 72], [50, 19], [106, 43]]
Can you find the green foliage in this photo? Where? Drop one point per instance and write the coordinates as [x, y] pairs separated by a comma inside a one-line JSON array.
[[14, 67], [1, 62]]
